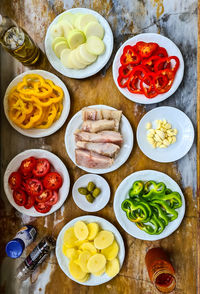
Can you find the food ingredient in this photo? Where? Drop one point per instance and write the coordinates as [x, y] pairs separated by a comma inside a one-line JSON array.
[[77, 39], [35, 185], [147, 69], [90, 192], [90, 250], [35, 102], [162, 136], [151, 206]]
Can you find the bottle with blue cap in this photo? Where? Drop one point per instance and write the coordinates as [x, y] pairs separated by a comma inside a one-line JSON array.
[[23, 238]]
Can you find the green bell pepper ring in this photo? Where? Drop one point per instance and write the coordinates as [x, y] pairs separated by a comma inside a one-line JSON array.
[[153, 192], [174, 199], [168, 209], [135, 211], [137, 189], [160, 213]]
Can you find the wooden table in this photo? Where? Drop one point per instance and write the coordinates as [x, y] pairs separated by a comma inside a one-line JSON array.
[[174, 19]]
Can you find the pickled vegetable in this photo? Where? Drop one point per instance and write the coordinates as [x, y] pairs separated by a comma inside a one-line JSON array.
[[96, 192], [91, 186], [83, 191], [89, 198]]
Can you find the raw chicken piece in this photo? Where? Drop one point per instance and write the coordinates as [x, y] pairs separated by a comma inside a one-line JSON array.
[[96, 114], [101, 137], [107, 149], [100, 125], [111, 114], [91, 159]]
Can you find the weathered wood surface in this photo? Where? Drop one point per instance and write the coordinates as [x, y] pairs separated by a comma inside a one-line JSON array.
[[174, 19]]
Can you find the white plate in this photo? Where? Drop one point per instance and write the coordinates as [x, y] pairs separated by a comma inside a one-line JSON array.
[[58, 166], [100, 202], [125, 129], [184, 138], [172, 50], [94, 67], [63, 260], [122, 193], [39, 133]]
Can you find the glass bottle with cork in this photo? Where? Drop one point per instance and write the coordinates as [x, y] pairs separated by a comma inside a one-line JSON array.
[[17, 42]]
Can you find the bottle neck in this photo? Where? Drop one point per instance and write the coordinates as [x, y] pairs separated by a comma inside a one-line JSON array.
[[5, 24]]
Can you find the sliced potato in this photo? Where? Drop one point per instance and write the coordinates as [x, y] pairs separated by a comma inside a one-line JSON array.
[[76, 271], [89, 247], [76, 19], [70, 17], [83, 260], [85, 55], [59, 47], [57, 31], [72, 253], [69, 238], [83, 20], [95, 45], [103, 239], [64, 58], [78, 58], [97, 274], [80, 230], [93, 230], [94, 29], [84, 279], [57, 40], [96, 263], [111, 251], [64, 250], [112, 267], [80, 242], [66, 26], [74, 61], [75, 38]]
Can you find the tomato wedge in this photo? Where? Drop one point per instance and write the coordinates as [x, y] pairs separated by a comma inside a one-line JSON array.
[[54, 198], [45, 196], [19, 197], [15, 180], [27, 165], [30, 200], [42, 207], [34, 187], [41, 167], [52, 181]]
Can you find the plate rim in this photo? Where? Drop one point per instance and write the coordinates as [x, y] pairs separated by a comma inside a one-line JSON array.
[[156, 237]]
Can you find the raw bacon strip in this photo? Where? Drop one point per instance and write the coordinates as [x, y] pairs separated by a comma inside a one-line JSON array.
[[111, 114], [100, 125], [101, 137], [91, 159], [97, 114], [107, 149]]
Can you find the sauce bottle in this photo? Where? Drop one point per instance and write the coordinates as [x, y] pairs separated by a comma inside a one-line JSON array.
[[160, 269], [36, 257], [17, 42], [23, 238]]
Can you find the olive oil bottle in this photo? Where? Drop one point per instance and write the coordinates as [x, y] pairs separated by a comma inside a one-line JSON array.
[[17, 42]]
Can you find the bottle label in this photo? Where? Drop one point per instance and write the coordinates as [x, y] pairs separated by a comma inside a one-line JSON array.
[[26, 234]]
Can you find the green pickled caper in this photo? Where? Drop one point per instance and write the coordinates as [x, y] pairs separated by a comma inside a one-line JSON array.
[[96, 192], [83, 191], [91, 186], [89, 198]]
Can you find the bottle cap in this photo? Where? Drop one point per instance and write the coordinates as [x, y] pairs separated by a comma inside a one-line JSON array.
[[1, 19], [15, 248]]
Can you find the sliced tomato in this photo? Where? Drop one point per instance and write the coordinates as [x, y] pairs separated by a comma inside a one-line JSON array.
[[30, 200], [42, 207], [54, 198], [45, 196], [34, 187], [41, 168], [19, 197], [15, 180], [27, 165], [52, 181]]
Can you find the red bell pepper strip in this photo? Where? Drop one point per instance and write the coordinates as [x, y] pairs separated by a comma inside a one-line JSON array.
[[122, 81], [148, 91], [125, 70], [150, 62], [169, 74], [160, 81], [146, 49], [129, 56], [160, 51], [133, 83], [167, 60]]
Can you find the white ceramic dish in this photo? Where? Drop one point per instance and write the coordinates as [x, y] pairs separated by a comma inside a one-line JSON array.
[[172, 50], [100, 202], [184, 138], [122, 193], [91, 69], [63, 260], [39, 133], [126, 148], [58, 166]]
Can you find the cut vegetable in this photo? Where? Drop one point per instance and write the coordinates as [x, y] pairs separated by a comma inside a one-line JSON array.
[[89, 247], [95, 45], [101, 272], [59, 39], [111, 251], [112, 267], [75, 38], [83, 260], [83, 20], [80, 60], [59, 47], [94, 29], [66, 26], [57, 31], [80, 230], [72, 253], [84, 279], [85, 55], [74, 61], [70, 17], [76, 271], [103, 239], [69, 238], [76, 19], [96, 263], [65, 58], [93, 230]]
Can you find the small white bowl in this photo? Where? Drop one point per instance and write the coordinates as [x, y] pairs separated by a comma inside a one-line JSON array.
[[58, 166], [39, 133], [99, 202], [184, 138], [172, 50], [91, 69]]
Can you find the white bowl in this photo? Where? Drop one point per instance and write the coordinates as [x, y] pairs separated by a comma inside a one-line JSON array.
[[99, 202], [172, 50], [63, 260], [184, 138], [94, 67], [122, 193], [58, 166], [39, 133], [126, 148]]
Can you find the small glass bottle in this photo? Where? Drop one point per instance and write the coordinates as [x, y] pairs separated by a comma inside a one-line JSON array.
[[36, 257], [17, 42], [160, 269]]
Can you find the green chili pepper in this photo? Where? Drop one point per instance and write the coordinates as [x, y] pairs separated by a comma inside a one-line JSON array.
[[137, 189]]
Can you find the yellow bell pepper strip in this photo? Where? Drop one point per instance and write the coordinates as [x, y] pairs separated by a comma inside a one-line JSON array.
[[137, 188], [59, 111], [33, 78], [33, 118], [50, 119], [58, 90], [17, 116]]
